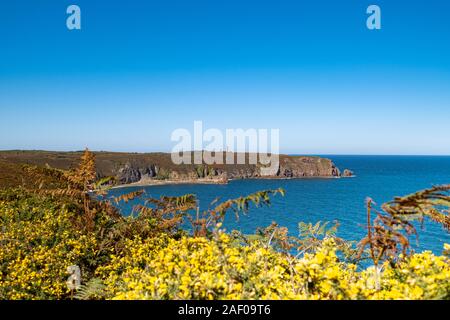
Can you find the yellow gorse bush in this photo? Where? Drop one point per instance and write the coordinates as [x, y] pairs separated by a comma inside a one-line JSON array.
[[37, 244], [421, 276], [198, 268]]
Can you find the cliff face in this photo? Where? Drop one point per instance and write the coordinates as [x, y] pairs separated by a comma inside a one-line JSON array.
[[147, 167], [289, 167]]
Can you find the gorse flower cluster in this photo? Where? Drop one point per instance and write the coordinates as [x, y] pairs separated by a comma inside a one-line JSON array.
[[38, 242], [199, 268], [149, 257]]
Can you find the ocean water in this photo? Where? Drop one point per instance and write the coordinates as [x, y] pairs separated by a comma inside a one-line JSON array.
[[343, 200]]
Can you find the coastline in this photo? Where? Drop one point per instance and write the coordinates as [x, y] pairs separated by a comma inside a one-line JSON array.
[[150, 183]]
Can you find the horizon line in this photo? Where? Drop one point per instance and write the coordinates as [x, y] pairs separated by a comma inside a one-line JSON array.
[[281, 153]]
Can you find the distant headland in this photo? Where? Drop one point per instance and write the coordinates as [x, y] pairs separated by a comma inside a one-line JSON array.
[[157, 168]]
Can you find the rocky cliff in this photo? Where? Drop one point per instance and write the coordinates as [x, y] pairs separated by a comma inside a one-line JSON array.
[[288, 167], [153, 167]]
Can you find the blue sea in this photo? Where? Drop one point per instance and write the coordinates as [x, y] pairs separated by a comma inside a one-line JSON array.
[[312, 200]]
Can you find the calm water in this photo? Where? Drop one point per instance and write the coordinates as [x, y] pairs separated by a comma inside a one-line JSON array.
[[312, 200]]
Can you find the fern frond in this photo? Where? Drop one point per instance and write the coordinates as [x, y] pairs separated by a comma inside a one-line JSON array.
[[93, 289]]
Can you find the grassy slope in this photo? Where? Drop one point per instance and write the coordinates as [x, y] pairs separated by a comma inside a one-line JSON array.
[[28, 176]]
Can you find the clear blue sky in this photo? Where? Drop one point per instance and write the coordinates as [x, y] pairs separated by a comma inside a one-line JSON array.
[[140, 69]]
